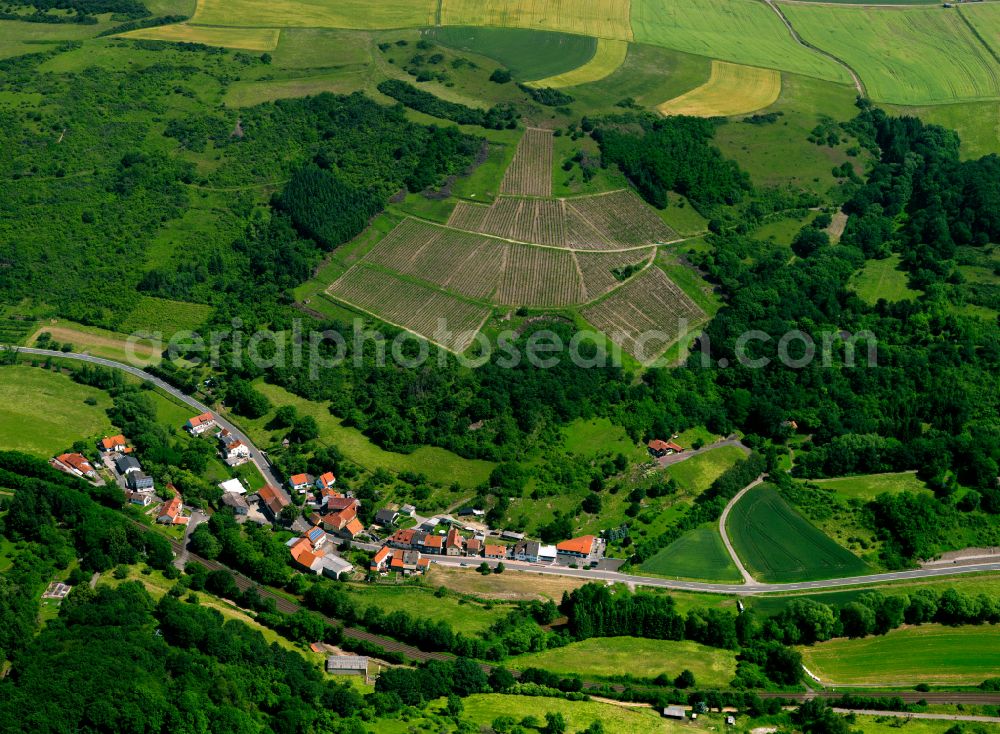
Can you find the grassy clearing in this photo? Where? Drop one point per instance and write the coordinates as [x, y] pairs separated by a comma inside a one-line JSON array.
[[682, 217], [250, 39], [484, 708], [741, 31], [869, 486], [509, 586], [528, 54], [439, 465], [100, 342], [732, 89], [891, 725], [607, 58], [609, 656], [926, 654], [250, 93], [599, 436], [696, 474], [43, 412], [782, 231], [597, 18], [904, 56], [317, 13], [883, 279], [779, 153], [778, 545], [18, 38], [168, 317], [699, 554], [465, 617]]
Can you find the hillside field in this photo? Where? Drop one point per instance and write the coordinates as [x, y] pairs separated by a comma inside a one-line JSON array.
[[732, 89], [699, 554], [778, 545], [868, 486], [609, 656], [608, 56], [883, 279], [925, 654], [697, 473]]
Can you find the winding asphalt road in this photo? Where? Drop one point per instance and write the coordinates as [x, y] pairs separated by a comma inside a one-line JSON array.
[[747, 578], [265, 468]]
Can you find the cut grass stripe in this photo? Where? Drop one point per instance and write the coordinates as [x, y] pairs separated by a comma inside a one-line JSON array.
[[732, 89], [607, 58]]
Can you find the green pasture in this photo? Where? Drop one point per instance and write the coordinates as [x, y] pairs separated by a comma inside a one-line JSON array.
[[696, 474], [778, 545], [904, 56], [639, 657], [484, 708], [17, 37], [437, 464], [528, 54], [597, 437], [929, 653], [165, 316], [741, 31], [977, 123], [463, 616], [868, 486], [699, 554], [883, 279], [43, 412]]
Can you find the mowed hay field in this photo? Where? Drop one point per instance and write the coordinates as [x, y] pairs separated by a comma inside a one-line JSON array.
[[360, 14], [732, 89], [928, 653], [778, 545], [43, 412], [869, 486], [905, 56], [696, 474], [643, 658], [609, 55], [741, 31], [250, 39], [597, 18], [699, 555]]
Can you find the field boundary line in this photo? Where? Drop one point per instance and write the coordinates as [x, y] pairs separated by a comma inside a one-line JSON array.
[[975, 32], [748, 579], [858, 84]]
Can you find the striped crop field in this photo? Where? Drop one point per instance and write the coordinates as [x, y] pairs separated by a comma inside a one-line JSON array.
[[361, 14], [608, 57], [908, 56], [619, 219], [530, 173], [741, 31], [732, 89], [597, 18], [250, 39], [411, 306], [541, 277], [462, 262], [598, 269], [646, 315], [612, 221]]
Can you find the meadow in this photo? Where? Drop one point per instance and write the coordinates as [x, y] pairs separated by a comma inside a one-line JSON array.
[[643, 658], [778, 545], [598, 18], [100, 342], [731, 89], [740, 31], [868, 486], [317, 13], [438, 464], [883, 279], [904, 56], [511, 585], [463, 616], [249, 39], [483, 708], [696, 474], [44, 412], [699, 554], [927, 653], [608, 57], [165, 316]]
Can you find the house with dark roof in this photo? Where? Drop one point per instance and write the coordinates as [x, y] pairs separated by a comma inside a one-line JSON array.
[[347, 665], [236, 502], [386, 518], [139, 481], [526, 550], [125, 465]]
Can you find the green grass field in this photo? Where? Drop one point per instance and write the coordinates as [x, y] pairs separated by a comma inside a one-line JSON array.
[[779, 545], [699, 554], [551, 53], [316, 14], [166, 316], [483, 708], [467, 618], [606, 59], [926, 654], [696, 474], [741, 31], [43, 412], [882, 279], [977, 123], [438, 464], [611, 656], [867, 487], [904, 56], [599, 436]]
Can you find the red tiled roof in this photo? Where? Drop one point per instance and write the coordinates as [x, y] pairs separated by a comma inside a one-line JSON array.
[[111, 441], [434, 541], [354, 527], [327, 479], [172, 508], [403, 536], [454, 539], [424, 563], [473, 544], [272, 498], [495, 550], [199, 419], [297, 479], [658, 445], [584, 544], [77, 461], [337, 502], [383, 553]]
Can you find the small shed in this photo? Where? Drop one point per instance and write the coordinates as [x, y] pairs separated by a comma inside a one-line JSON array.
[[674, 712], [233, 485], [347, 665]]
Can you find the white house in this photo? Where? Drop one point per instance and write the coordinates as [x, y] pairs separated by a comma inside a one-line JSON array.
[[199, 424]]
